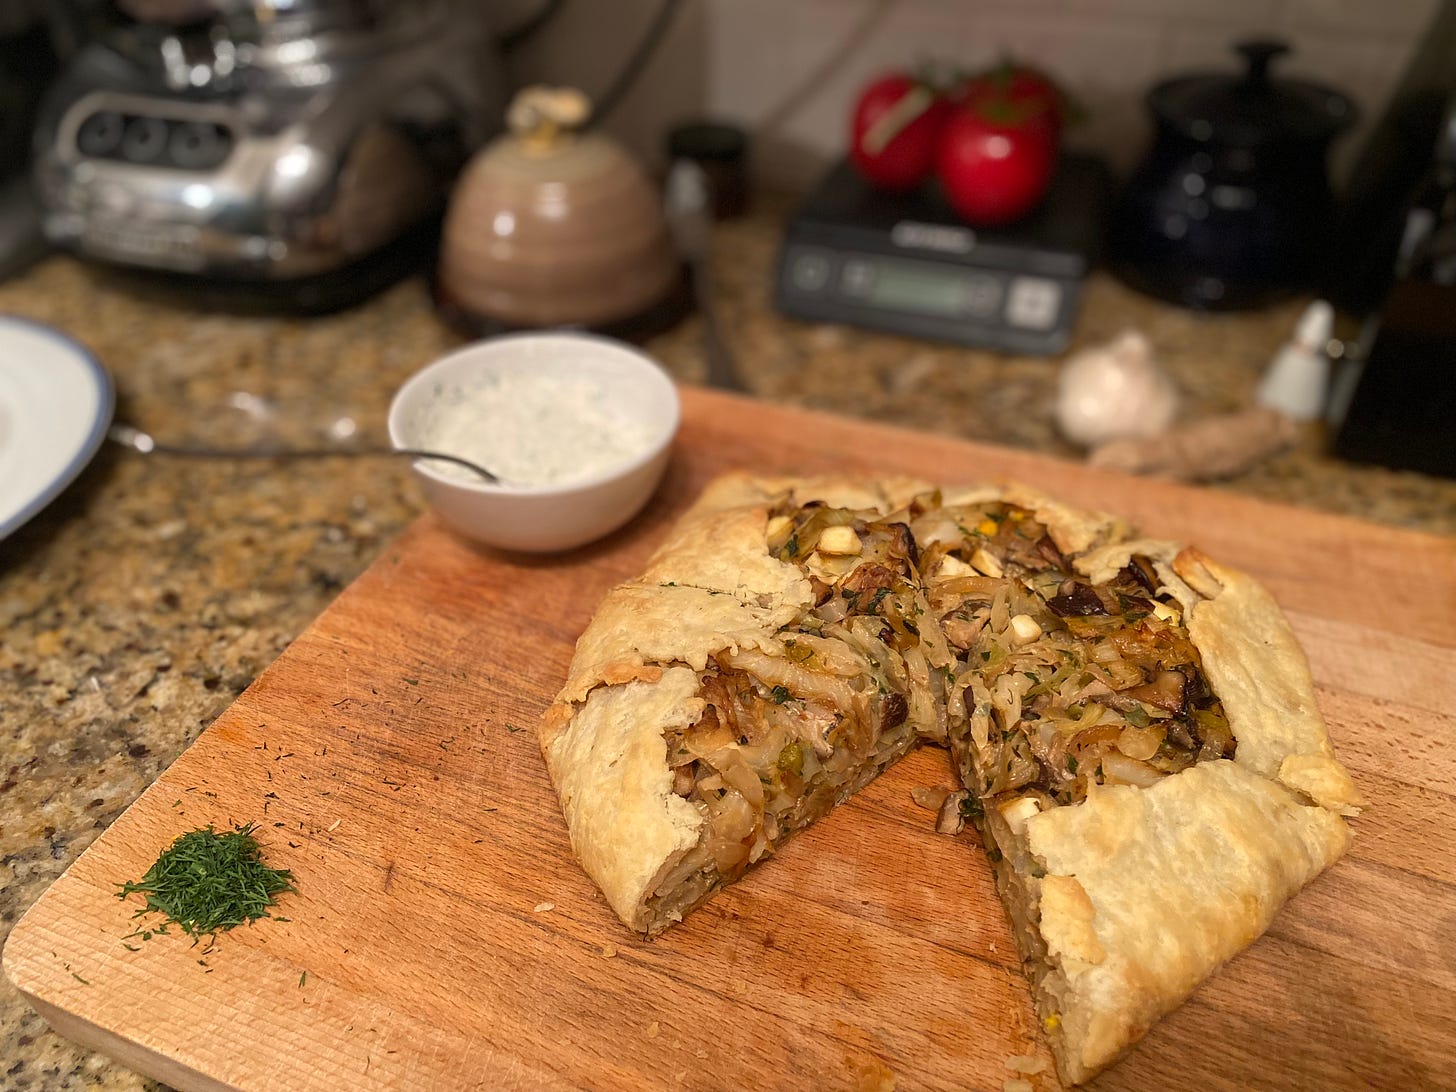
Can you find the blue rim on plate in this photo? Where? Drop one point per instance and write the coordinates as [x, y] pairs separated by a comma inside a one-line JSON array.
[[86, 450]]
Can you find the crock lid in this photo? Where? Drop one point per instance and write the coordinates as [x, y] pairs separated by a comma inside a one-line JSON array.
[[1250, 108]]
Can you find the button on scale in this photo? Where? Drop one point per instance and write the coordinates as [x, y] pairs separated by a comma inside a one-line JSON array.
[[1033, 303], [809, 271], [983, 295]]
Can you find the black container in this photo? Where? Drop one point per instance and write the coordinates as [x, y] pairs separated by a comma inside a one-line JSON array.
[[722, 152], [1402, 409], [1232, 207]]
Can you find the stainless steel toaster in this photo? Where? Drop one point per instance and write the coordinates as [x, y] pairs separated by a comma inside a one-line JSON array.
[[283, 143]]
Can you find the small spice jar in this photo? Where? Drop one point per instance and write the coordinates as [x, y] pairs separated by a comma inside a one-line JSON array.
[[721, 150]]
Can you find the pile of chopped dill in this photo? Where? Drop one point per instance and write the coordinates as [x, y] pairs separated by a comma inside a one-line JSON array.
[[207, 882]]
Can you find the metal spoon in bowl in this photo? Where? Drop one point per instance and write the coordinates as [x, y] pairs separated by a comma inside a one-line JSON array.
[[137, 440]]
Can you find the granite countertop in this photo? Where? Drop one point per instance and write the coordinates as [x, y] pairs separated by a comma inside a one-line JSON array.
[[143, 601]]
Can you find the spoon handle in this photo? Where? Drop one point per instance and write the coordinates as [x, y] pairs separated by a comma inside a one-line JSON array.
[[137, 440]]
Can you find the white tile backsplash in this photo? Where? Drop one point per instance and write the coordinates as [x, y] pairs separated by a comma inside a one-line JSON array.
[[789, 69], [1350, 16], [801, 130]]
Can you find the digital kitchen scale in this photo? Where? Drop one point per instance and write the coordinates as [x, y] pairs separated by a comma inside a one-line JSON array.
[[907, 264]]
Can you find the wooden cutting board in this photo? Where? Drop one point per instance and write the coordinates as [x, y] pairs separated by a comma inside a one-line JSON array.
[[442, 936]]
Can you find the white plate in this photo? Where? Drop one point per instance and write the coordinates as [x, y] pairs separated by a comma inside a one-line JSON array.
[[55, 404]]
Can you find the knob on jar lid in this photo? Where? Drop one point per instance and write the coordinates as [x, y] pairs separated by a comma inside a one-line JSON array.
[[1251, 107]]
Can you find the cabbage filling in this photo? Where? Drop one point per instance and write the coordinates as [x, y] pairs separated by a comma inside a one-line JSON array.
[[962, 624], [790, 732], [1062, 684]]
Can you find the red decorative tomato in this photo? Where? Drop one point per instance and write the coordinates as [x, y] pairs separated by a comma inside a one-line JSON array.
[[895, 131], [996, 160], [1031, 92]]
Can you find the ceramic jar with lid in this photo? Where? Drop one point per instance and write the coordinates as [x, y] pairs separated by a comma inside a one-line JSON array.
[[554, 226], [1231, 206]]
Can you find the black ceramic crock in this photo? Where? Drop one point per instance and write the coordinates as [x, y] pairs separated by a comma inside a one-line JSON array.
[[1232, 206]]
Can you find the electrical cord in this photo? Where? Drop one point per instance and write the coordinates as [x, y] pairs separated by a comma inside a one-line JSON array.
[[638, 60], [816, 79]]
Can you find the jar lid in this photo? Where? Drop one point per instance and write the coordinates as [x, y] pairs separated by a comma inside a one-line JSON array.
[[1250, 108], [707, 140]]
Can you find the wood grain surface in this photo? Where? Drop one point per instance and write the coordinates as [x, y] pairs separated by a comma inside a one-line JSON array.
[[442, 936]]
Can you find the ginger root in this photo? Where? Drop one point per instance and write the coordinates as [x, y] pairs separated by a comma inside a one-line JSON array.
[[1217, 447]]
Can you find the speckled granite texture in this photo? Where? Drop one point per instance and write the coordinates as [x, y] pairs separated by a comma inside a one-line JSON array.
[[141, 603]]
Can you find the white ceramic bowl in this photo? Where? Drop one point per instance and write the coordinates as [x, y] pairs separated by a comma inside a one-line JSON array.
[[540, 518]]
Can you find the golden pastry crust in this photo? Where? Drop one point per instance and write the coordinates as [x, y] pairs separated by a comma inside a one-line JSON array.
[[1074, 530], [1148, 891], [740, 489], [722, 550], [1259, 670], [642, 624], [608, 761]]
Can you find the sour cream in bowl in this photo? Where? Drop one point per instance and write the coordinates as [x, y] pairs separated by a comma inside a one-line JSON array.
[[578, 428]]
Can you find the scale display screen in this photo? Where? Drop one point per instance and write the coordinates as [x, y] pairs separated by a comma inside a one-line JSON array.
[[928, 291], [926, 288]]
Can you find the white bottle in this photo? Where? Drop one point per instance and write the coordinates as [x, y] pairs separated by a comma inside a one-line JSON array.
[[1297, 380]]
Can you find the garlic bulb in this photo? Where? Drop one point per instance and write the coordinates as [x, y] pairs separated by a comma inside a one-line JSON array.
[[1113, 391]]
